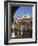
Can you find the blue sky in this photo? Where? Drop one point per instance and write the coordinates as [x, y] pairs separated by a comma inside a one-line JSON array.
[[22, 10]]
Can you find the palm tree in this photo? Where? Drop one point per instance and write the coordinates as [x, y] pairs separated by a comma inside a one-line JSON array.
[[13, 27], [21, 29]]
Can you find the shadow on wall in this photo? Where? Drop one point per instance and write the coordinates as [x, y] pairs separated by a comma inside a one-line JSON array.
[[10, 20]]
